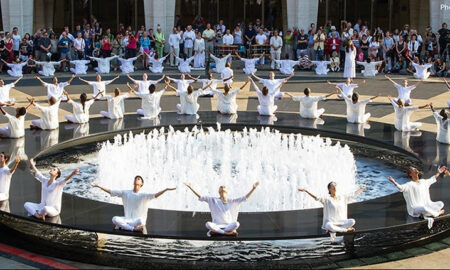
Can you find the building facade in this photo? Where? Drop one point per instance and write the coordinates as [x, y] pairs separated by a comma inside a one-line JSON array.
[[30, 15]]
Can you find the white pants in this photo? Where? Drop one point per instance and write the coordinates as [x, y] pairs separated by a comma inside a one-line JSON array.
[[5, 132], [222, 229], [199, 60], [13, 74], [275, 55], [106, 114], [422, 78], [45, 74], [36, 123], [173, 59], [263, 110], [127, 223], [156, 70], [429, 211], [249, 71], [4, 197], [33, 208], [315, 115], [74, 71], [340, 227], [72, 119]]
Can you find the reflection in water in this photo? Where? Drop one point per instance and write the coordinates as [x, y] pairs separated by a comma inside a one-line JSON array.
[[442, 154], [113, 124], [357, 129], [79, 130], [187, 119], [310, 123], [4, 206], [15, 148], [267, 120], [48, 137], [226, 118], [149, 122], [401, 139]]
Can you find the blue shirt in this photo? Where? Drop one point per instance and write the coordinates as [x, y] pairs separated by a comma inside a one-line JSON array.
[[145, 43], [64, 42]]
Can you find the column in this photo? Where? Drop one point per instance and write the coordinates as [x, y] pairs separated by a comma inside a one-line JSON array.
[[162, 13], [302, 13], [18, 13]]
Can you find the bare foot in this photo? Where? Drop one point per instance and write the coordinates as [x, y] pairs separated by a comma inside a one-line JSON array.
[[138, 228], [321, 116], [36, 215], [351, 229], [233, 233], [441, 212], [447, 173]]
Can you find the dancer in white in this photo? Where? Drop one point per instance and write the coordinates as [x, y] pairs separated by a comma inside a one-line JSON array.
[[422, 72], [404, 92], [350, 65], [321, 67], [16, 123], [308, 104], [213, 85], [80, 109], [16, 68], [104, 64], [182, 83], [5, 175], [227, 75], [443, 123], [4, 92], [348, 87], [199, 49], [157, 62], [226, 102], [249, 67], [356, 109], [188, 100], [98, 85], [143, 84], [403, 114], [55, 89], [49, 114], [417, 195], [224, 211], [335, 209], [81, 66], [51, 193], [370, 67], [266, 99], [127, 65], [220, 62], [48, 68], [184, 64], [150, 106], [116, 105], [135, 205], [286, 67], [272, 84]]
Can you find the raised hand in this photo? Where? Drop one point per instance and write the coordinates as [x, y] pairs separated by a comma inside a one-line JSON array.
[[442, 169], [18, 159], [76, 171], [391, 179], [255, 185], [302, 190], [32, 162]]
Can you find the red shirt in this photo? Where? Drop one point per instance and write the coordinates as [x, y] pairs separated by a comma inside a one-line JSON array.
[[132, 42], [106, 45]]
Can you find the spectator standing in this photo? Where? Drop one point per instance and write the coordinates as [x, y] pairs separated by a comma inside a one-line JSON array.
[[16, 38], [174, 43], [160, 41], [145, 42], [302, 43], [276, 43], [209, 35], [442, 38], [44, 45], [237, 35], [319, 45], [79, 46], [54, 48], [64, 50], [288, 40], [188, 38]]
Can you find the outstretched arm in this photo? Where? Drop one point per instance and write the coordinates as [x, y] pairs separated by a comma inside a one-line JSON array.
[[170, 86], [1, 109], [39, 79], [387, 77], [83, 80], [102, 188], [75, 172], [195, 79], [440, 171], [196, 193], [330, 83], [206, 87], [162, 78], [71, 79], [424, 106], [13, 169], [393, 182], [163, 191], [115, 78], [131, 79], [20, 78], [255, 185], [256, 77], [238, 56], [245, 84], [309, 193], [374, 97], [446, 82], [289, 95], [33, 166], [288, 78], [332, 93], [360, 190]]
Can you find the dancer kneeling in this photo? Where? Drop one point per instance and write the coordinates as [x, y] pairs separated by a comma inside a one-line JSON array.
[[308, 104], [443, 123], [135, 205], [417, 195], [116, 105], [266, 99], [356, 110], [81, 109], [403, 114], [188, 100], [226, 103], [150, 107], [6, 174], [249, 63], [335, 210], [51, 193], [16, 124], [224, 211], [49, 115]]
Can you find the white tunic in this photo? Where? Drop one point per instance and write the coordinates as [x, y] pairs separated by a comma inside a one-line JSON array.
[[16, 125], [127, 65], [220, 62], [104, 63], [49, 115], [144, 85], [308, 106], [276, 42], [370, 69], [443, 131], [55, 90], [225, 74], [51, 195], [226, 104], [335, 210], [48, 68], [116, 106], [417, 195], [350, 65], [184, 65], [182, 85], [99, 87], [266, 103], [16, 69], [212, 88], [402, 117], [249, 65], [135, 205], [272, 85], [223, 213], [5, 182], [356, 112], [228, 39], [151, 103], [421, 71], [347, 88], [321, 67], [188, 103], [80, 66], [81, 116], [404, 92], [4, 93], [157, 64]]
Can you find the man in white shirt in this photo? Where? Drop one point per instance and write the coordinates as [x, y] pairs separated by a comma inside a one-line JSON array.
[[228, 38], [55, 89], [144, 83], [370, 67], [174, 43], [16, 123], [220, 62], [49, 119], [209, 35], [404, 92], [98, 85], [227, 75], [308, 104], [273, 84], [16, 39], [4, 92], [224, 211], [5, 175], [135, 205], [276, 43], [261, 38], [188, 38]]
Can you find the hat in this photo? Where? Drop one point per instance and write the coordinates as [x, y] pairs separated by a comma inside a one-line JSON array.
[[333, 27]]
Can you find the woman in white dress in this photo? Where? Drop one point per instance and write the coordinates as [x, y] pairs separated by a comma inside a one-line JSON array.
[[188, 100], [350, 64], [199, 49], [116, 105], [49, 114], [80, 109], [51, 193], [157, 62], [356, 109], [403, 114], [150, 106], [335, 209], [442, 122], [226, 101], [249, 64]]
